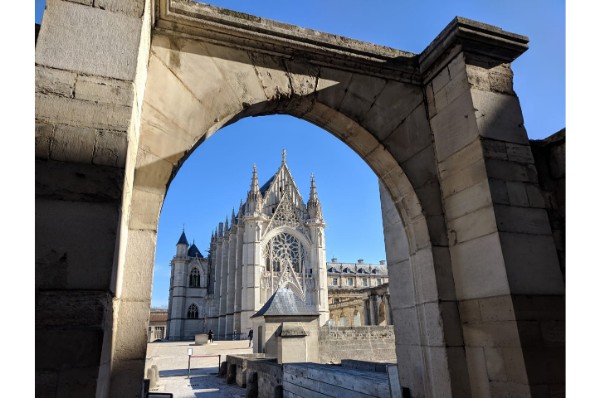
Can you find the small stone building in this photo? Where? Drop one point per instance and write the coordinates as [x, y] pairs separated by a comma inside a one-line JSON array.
[[157, 325]]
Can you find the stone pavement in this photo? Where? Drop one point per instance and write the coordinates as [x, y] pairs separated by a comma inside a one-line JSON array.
[[172, 361]]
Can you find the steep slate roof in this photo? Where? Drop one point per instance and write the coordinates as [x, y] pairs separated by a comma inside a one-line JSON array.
[[193, 251], [267, 185], [284, 302], [183, 239]]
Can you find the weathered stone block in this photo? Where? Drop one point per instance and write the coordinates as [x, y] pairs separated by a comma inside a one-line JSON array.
[[73, 144], [532, 264], [522, 220], [56, 109], [464, 178], [443, 273], [130, 7], [478, 268], [454, 127], [392, 107], [499, 117], [67, 42], [442, 78], [478, 377], [469, 311], [361, 93], [494, 361], [496, 309], [517, 193], [110, 148], [491, 334], [54, 81], [146, 209], [468, 200], [519, 153], [85, 263], [478, 77], [472, 225], [411, 136], [99, 89], [44, 134], [72, 309], [508, 171], [70, 348], [534, 196]]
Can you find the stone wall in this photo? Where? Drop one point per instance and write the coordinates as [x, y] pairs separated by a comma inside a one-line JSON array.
[[366, 343], [268, 376], [549, 156]]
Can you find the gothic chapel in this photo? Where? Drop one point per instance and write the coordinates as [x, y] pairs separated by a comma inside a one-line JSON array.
[[275, 240]]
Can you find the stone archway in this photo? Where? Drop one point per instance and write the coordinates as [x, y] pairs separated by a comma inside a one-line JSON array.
[[472, 271]]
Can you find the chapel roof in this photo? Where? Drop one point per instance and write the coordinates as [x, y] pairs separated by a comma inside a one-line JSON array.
[[194, 252]]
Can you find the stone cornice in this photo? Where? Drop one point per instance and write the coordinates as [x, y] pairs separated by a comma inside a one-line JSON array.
[[244, 31], [485, 42], [251, 33]]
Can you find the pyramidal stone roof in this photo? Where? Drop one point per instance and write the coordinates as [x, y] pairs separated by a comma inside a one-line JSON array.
[[285, 302]]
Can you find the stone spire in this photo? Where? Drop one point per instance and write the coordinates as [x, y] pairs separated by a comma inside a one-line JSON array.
[[220, 230], [254, 201], [283, 156], [226, 223], [314, 205], [233, 219]]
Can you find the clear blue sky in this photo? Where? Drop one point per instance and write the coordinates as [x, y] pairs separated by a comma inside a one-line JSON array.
[[217, 175]]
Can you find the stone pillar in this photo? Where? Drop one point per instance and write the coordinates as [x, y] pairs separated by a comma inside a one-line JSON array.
[[252, 261], [231, 281], [238, 277], [223, 282], [504, 263], [388, 310], [90, 67], [218, 279]]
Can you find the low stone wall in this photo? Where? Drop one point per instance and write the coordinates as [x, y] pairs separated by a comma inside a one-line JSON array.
[[301, 380], [364, 343], [237, 366], [265, 379]]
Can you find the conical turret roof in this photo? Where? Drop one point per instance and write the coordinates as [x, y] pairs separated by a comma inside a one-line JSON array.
[[182, 239]]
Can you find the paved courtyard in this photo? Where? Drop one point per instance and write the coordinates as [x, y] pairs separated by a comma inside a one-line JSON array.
[[172, 361]]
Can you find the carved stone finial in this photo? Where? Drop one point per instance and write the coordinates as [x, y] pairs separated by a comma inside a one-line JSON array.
[[283, 156]]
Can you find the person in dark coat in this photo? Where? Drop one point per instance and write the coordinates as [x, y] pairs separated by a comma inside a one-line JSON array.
[[250, 336], [210, 336]]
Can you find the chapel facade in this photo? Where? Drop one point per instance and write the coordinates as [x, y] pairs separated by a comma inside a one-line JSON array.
[[275, 240]]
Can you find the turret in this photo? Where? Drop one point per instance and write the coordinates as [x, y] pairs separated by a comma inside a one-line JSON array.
[[254, 201], [182, 246]]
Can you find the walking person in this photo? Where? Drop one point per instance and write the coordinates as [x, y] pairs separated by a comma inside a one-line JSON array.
[[250, 336], [210, 336]]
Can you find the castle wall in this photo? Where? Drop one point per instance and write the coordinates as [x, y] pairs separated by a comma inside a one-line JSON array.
[[366, 343]]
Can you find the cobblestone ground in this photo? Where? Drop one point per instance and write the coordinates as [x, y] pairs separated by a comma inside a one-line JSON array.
[[172, 361]]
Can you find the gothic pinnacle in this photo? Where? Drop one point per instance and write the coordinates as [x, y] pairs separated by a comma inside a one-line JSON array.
[[314, 205], [283, 156]]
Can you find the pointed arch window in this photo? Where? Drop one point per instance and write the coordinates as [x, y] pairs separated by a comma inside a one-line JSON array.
[[194, 278], [192, 312], [284, 248]]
